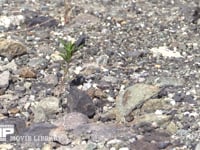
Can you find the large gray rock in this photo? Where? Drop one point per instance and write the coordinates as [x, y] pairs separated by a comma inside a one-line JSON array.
[[132, 98]]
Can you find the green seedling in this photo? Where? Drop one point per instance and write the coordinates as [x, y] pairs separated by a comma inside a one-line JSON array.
[[69, 49], [67, 53]]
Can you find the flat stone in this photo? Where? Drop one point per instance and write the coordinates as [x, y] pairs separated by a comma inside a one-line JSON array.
[[79, 101], [37, 62], [11, 49], [132, 98], [165, 52], [100, 132], [72, 120], [85, 19], [27, 72]]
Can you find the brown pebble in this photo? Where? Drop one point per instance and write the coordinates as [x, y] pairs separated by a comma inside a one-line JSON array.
[[27, 72]]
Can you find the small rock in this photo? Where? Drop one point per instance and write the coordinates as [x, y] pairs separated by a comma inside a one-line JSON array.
[[6, 146], [79, 101], [14, 110], [11, 49], [37, 62], [79, 80], [83, 19], [27, 72], [92, 92], [72, 120], [80, 41], [102, 60], [197, 146], [50, 105], [113, 141], [56, 56], [124, 148], [8, 21], [44, 21], [51, 79], [4, 82], [10, 66], [172, 127], [165, 52], [5, 77], [47, 147], [163, 144]]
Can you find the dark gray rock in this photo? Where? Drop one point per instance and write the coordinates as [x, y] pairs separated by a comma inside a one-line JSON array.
[[79, 101]]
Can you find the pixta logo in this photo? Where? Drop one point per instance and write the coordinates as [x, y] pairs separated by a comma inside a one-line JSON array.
[[6, 130]]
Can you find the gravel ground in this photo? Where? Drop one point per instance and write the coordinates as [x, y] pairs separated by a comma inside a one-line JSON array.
[[134, 84]]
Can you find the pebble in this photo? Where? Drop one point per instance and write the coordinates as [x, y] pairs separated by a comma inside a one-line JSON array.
[[27, 72], [11, 66], [6, 146], [51, 79], [165, 52], [50, 105], [11, 48], [5, 77]]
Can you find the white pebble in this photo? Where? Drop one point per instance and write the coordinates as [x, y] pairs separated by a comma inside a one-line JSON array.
[[124, 148], [158, 112]]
